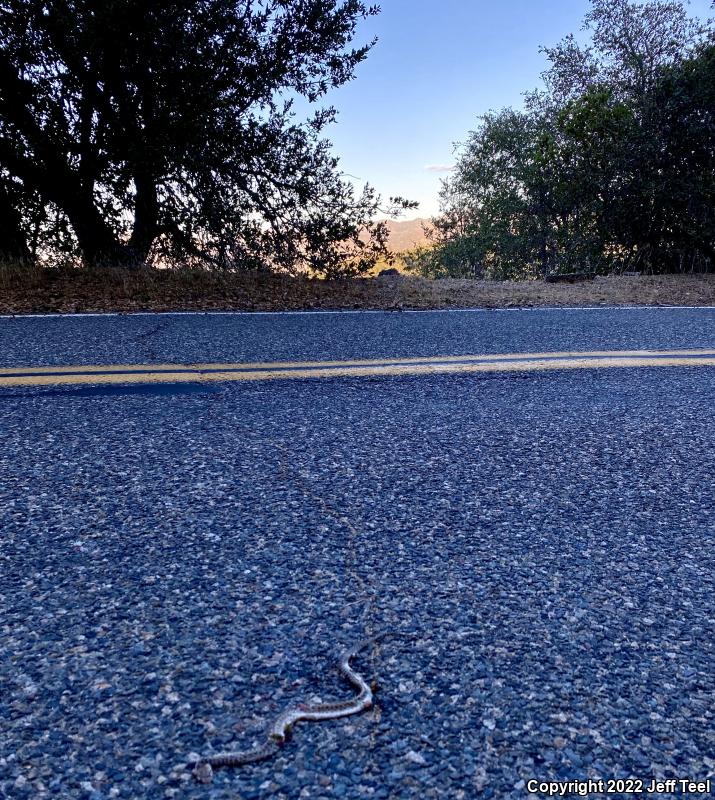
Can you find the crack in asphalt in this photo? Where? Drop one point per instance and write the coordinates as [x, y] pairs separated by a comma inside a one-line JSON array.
[[143, 338]]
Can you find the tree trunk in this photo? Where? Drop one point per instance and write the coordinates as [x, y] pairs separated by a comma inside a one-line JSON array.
[[146, 215], [99, 245], [13, 242]]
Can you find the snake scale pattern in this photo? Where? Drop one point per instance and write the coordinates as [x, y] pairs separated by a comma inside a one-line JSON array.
[[280, 730]]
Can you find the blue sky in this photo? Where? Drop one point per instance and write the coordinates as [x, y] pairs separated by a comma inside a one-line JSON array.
[[436, 67]]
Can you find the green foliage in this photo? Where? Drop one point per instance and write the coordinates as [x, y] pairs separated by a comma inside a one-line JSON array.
[[138, 131], [611, 168]]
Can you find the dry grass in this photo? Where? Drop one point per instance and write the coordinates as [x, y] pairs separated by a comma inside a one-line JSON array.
[[25, 291]]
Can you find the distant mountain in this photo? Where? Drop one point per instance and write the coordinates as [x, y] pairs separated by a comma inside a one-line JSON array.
[[406, 234]]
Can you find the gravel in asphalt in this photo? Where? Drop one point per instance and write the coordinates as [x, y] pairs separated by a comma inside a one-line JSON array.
[[177, 567], [210, 338]]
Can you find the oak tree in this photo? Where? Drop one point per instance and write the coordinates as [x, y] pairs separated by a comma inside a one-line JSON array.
[[139, 130]]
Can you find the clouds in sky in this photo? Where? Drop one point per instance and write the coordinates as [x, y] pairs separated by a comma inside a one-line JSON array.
[[439, 167]]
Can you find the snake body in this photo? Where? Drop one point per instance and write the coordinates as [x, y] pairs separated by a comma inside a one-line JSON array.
[[281, 728]]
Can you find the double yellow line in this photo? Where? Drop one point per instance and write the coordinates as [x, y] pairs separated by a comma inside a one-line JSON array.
[[199, 373]]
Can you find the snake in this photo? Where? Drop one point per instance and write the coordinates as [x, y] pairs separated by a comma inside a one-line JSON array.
[[279, 732]]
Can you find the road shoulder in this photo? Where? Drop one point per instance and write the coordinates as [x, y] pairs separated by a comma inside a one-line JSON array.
[[73, 291]]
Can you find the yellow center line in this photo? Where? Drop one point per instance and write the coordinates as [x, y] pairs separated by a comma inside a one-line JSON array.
[[278, 365], [185, 373]]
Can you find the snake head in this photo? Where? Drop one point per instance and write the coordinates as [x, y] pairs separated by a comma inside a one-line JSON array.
[[282, 738]]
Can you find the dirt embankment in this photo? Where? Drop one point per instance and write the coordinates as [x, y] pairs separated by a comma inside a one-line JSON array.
[[45, 291]]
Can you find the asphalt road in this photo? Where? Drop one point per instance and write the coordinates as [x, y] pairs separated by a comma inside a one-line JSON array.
[[179, 563]]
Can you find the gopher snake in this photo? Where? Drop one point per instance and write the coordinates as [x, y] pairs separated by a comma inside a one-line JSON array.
[[281, 728]]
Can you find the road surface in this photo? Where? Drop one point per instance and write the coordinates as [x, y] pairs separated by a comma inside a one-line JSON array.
[[182, 559]]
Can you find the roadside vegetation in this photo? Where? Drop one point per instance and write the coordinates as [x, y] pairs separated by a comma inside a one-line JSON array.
[[609, 168], [154, 148], [39, 290]]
